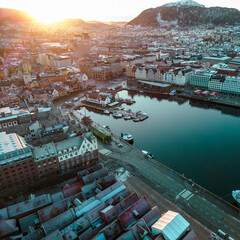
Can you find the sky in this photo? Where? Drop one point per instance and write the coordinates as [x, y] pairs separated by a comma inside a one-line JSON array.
[[98, 10]]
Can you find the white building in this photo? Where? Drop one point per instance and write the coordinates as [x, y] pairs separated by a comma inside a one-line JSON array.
[[179, 77], [141, 73], [27, 78], [231, 85], [216, 83]]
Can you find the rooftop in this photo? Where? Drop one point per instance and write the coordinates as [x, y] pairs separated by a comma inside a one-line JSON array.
[[44, 152], [11, 142], [29, 205]]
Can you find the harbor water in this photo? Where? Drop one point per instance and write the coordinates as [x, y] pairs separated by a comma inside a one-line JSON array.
[[200, 142]]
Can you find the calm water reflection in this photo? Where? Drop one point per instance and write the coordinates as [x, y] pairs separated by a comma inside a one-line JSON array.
[[202, 143]]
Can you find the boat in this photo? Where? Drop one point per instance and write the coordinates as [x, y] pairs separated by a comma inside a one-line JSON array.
[[129, 101], [106, 127], [147, 154], [127, 117], [117, 115], [236, 196], [173, 93], [136, 120], [141, 113], [127, 137], [141, 91], [106, 112]]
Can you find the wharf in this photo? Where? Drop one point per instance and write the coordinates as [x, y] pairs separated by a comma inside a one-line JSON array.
[[223, 102], [124, 112], [147, 91], [203, 206]]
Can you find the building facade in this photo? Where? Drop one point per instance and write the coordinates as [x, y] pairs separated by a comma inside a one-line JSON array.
[[21, 165], [200, 79], [17, 166]]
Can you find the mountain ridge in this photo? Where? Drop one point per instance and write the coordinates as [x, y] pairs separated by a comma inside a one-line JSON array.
[[186, 15]]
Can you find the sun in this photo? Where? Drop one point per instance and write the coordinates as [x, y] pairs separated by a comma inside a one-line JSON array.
[[44, 19], [45, 11]]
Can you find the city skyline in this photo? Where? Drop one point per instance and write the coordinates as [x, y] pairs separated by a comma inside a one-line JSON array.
[[44, 11]]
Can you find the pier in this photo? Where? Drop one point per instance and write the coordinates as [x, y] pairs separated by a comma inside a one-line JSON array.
[[222, 102], [135, 116]]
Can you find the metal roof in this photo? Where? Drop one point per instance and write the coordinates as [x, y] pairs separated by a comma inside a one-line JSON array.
[[11, 142]]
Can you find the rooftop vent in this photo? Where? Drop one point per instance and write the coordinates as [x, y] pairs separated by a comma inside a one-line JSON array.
[[135, 212]]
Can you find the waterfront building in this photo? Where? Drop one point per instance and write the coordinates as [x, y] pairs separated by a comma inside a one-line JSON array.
[[178, 76], [160, 87], [100, 98], [151, 74], [216, 83], [231, 85], [21, 165], [76, 152], [200, 79], [141, 73]]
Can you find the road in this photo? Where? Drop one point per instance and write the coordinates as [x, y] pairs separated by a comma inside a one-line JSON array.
[[194, 200], [185, 194]]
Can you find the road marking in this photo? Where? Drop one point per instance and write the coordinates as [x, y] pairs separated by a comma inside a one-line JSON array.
[[190, 196]]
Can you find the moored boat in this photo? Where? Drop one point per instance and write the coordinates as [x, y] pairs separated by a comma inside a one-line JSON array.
[[236, 196], [173, 92], [117, 115], [136, 120], [106, 112], [127, 117], [127, 137], [129, 101]]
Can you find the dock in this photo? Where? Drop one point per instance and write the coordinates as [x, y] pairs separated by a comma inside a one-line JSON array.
[[203, 208], [227, 103], [124, 112]]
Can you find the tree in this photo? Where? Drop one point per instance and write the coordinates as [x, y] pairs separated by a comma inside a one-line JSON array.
[[86, 121]]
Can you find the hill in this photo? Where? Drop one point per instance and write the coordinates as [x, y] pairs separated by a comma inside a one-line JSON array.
[[14, 16], [186, 13]]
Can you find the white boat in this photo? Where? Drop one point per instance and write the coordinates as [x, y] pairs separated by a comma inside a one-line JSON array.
[[117, 115], [106, 112], [136, 120], [127, 117], [173, 93], [236, 196], [147, 154], [127, 137], [141, 113]]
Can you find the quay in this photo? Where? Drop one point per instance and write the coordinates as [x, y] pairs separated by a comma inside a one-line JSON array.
[[112, 110], [226, 102], [206, 209]]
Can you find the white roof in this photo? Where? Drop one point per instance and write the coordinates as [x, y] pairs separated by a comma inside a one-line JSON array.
[[172, 225], [11, 142]]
